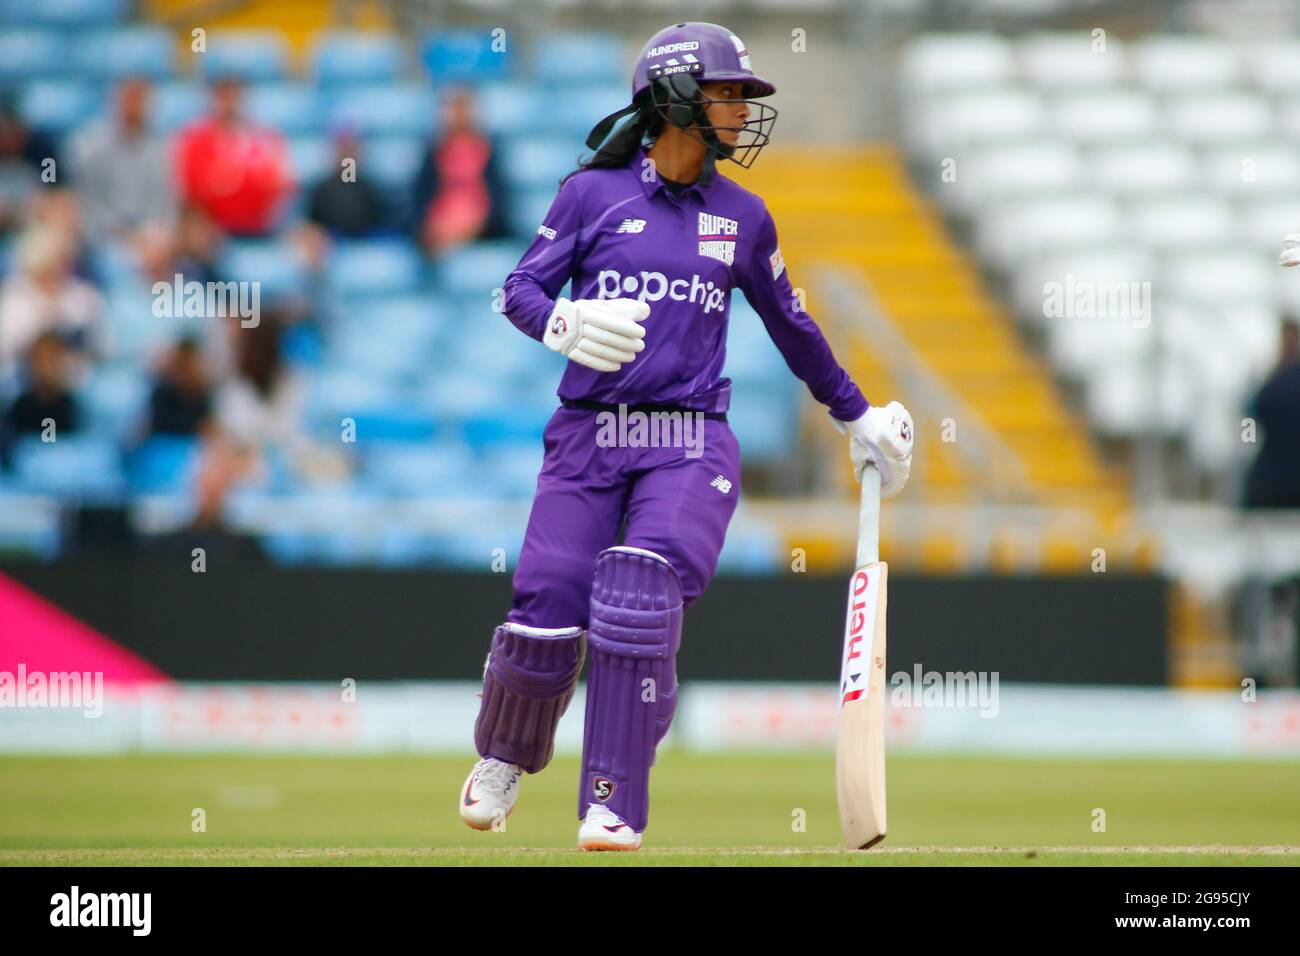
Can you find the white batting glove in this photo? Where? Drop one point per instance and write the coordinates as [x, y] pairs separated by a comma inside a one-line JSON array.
[[1290, 251], [604, 334], [882, 437]]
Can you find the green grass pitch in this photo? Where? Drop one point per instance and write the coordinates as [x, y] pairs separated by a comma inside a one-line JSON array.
[[707, 810]]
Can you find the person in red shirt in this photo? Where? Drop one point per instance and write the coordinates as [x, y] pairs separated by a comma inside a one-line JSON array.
[[239, 173]]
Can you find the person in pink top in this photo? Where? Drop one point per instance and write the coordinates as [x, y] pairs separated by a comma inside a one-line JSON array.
[[457, 196]]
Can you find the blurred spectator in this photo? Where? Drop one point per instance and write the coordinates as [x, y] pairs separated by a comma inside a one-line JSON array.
[[57, 207], [198, 245], [181, 400], [22, 152], [258, 420], [458, 196], [351, 208], [121, 169], [191, 248], [1274, 478], [239, 173], [46, 396], [43, 295]]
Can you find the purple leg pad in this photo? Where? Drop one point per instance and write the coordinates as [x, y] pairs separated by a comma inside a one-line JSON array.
[[527, 685], [634, 632]]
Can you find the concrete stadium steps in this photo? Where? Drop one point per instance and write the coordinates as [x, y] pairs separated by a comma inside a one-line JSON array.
[[856, 207]]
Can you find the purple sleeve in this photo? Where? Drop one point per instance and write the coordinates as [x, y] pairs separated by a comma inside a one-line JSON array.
[[766, 285], [531, 289]]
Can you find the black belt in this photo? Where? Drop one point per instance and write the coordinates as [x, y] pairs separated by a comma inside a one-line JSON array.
[[648, 409]]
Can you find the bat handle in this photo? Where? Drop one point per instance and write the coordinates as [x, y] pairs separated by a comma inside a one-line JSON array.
[[869, 518]]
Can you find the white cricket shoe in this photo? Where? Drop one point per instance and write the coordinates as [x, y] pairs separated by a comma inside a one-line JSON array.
[[490, 793], [603, 829]]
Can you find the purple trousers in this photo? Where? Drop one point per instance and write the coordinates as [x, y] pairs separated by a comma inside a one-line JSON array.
[[677, 502]]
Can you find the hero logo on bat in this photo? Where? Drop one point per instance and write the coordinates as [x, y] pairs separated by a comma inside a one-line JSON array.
[[858, 626]]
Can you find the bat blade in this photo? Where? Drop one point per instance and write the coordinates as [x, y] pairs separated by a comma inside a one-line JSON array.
[[860, 729]]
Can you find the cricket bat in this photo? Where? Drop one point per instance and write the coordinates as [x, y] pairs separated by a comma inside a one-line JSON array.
[[860, 728]]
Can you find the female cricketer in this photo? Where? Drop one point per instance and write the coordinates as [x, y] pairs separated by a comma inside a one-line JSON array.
[[653, 240]]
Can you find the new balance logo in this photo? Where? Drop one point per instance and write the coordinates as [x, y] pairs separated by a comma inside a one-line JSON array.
[[722, 484], [631, 225]]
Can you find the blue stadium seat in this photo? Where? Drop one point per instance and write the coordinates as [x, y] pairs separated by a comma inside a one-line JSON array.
[[752, 548], [164, 464], [378, 407], [539, 163], [508, 424], [30, 54], [115, 402], [580, 58], [125, 51], [474, 548], [752, 357], [464, 55], [313, 158], [512, 467], [374, 267], [59, 106], [401, 547], [341, 57], [476, 270], [392, 162], [408, 109], [513, 108], [250, 55], [529, 209], [75, 466], [765, 421], [427, 469], [28, 524], [65, 13], [270, 262], [178, 104], [292, 108], [575, 112]]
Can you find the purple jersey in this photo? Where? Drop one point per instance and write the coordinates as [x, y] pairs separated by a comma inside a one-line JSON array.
[[619, 233]]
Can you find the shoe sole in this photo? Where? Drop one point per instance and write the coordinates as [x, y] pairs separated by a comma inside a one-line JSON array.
[[601, 846]]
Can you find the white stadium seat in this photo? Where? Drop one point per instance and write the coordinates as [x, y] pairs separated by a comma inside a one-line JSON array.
[[944, 126], [1173, 64], [1067, 61], [1230, 275], [1274, 66], [1218, 118], [1009, 234], [1182, 220], [1143, 168], [993, 174], [956, 61], [1267, 217], [1250, 168], [1105, 117]]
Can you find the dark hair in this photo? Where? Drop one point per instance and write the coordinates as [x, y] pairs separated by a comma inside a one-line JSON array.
[[617, 151]]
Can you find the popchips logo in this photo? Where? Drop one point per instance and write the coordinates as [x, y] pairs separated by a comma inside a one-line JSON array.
[[654, 286]]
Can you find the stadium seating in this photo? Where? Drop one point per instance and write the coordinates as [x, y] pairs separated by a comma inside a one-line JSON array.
[[1171, 161]]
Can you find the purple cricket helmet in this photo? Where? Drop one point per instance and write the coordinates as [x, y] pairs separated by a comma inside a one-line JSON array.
[[705, 51]]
